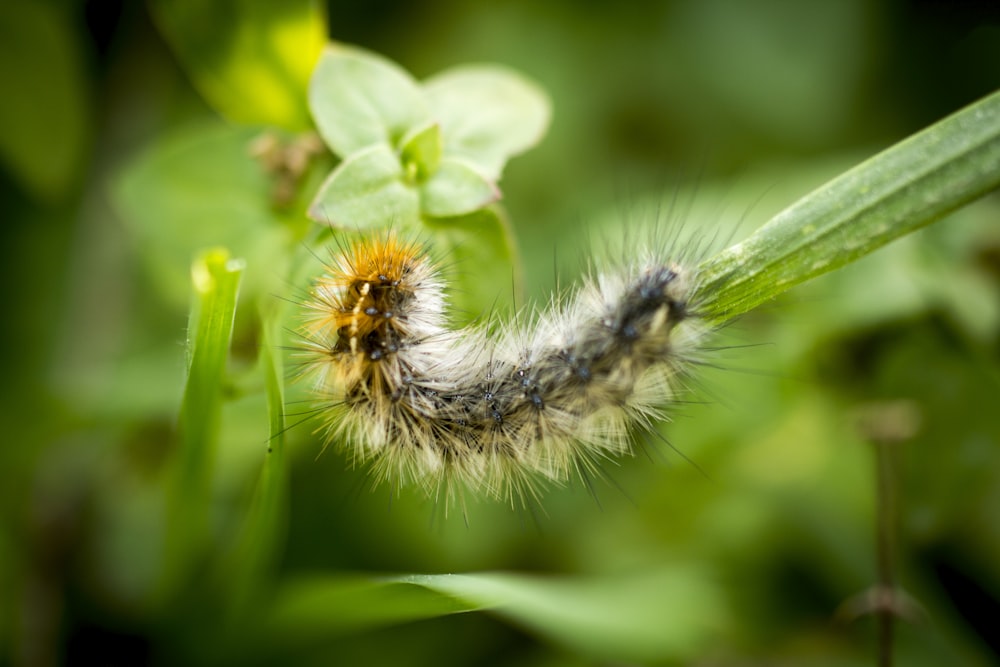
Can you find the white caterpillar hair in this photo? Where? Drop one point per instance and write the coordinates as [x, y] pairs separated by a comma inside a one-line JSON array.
[[495, 412]]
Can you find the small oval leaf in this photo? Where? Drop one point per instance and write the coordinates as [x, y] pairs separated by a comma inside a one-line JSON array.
[[359, 99], [487, 113], [456, 188], [367, 190], [421, 152]]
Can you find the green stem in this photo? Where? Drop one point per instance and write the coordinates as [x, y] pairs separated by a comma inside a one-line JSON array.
[[907, 186], [249, 563], [216, 279]]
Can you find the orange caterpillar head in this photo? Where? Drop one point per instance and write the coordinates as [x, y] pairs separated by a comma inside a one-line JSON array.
[[368, 293], [364, 287]]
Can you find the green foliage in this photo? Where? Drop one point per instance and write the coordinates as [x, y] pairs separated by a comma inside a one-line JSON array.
[[647, 624], [896, 192], [251, 59], [413, 152], [44, 145], [573, 612], [215, 277], [133, 533], [200, 188], [254, 556]]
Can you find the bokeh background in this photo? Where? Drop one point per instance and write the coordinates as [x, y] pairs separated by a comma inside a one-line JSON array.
[[758, 517]]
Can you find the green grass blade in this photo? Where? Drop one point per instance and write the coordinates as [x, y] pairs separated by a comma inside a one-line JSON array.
[[907, 186], [643, 617], [314, 608], [263, 530], [216, 281]]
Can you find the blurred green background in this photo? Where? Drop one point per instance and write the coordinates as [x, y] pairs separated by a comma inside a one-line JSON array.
[[734, 545]]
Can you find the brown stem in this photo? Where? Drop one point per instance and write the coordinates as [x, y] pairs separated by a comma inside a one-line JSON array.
[[885, 613], [886, 425]]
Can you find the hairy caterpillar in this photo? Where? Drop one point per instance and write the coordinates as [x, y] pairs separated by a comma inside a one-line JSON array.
[[538, 400]]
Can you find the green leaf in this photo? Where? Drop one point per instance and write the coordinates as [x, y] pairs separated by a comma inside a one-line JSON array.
[[656, 615], [653, 615], [367, 191], [250, 562], [367, 107], [200, 188], [45, 114], [908, 186], [487, 114], [359, 99], [215, 276], [456, 188], [421, 153], [482, 250], [250, 59], [313, 608]]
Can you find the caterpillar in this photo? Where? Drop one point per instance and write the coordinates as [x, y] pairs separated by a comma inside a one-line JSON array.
[[545, 397]]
